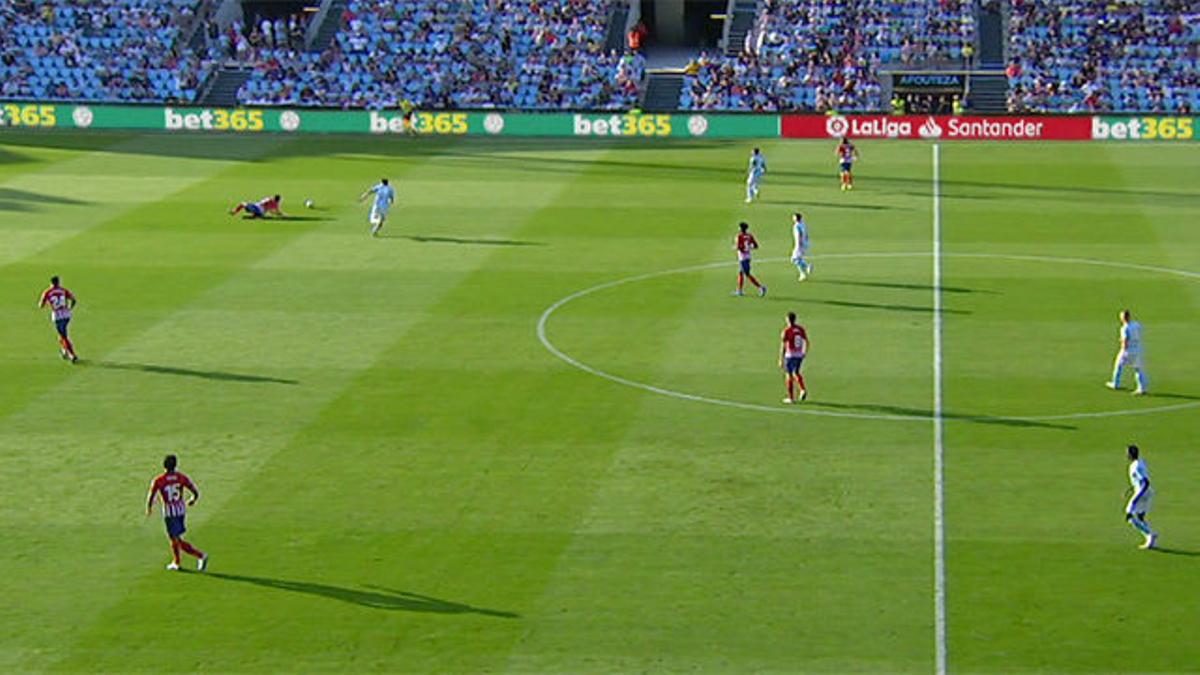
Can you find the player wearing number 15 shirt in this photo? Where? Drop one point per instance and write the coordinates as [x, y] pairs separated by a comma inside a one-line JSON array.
[[170, 488], [791, 358], [60, 301]]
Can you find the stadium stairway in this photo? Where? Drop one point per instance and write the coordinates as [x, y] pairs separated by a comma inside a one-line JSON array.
[[224, 88], [662, 91], [614, 33], [330, 25], [739, 19], [989, 93]]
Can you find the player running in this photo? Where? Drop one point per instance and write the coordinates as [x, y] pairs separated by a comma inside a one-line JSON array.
[[1141, 499], [61, 301], [1130, 354], [267, 206], [385, 196], [791, 358], [170, 486], [758, 167], [847, 155], [744, 243], [800, 247]]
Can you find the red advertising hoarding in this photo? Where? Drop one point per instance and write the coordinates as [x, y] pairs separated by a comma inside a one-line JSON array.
[[939, 127]]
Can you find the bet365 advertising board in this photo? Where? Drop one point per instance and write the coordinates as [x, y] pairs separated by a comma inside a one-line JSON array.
[[25, 115], [191, 119]]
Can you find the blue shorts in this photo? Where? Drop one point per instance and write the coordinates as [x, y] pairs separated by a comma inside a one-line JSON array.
[[745, 264], [60, 325], [255, 210], [175, 528], [846, 167], [792, 364]]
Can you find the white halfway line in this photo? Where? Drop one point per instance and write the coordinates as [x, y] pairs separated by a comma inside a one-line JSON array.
[[939, 491]]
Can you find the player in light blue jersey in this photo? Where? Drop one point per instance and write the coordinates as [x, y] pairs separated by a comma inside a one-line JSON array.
[[1131, 354], [758, 167], [800, 247], [385, 196], [1141, 497]]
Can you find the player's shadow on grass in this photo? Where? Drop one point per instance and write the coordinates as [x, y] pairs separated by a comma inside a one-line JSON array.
[[903, 287], [425, 239], [289, 219], [12, 199], [835, 205], [185, 372], [375, 597], [1179, 397], [1176, 551], [870, 305], [947, 415]]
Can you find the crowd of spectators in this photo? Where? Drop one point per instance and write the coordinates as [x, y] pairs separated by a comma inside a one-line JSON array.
[[545, 54], [823, 55], [257, 39], [100, 50], [1104, 55]]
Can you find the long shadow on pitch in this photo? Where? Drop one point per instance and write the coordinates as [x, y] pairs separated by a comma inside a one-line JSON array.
[[1179, 397], [903, 287], [375, 597], [461, 240], [202, 374], [1176, 551], [920, 412], [12, 199], [869, 305], [834, 205]]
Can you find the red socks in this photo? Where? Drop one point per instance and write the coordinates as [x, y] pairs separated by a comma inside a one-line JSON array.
[[189, 549], [175, 550], [800, 381]]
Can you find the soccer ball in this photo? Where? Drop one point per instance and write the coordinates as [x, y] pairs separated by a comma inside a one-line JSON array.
[[308, 203]]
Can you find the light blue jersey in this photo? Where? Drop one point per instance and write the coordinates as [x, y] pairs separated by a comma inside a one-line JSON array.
[[800, 236], [758, 165], [384, 196]]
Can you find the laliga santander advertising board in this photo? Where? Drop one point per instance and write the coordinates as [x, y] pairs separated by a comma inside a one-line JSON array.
[[939, 127]]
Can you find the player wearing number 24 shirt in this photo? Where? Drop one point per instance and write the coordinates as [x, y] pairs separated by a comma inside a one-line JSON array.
[[60, 301], [171, 487]]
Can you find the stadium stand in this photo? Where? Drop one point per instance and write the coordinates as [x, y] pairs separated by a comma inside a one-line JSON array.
[[1088, 55], [821, 55], [101, 50], [537, 54]]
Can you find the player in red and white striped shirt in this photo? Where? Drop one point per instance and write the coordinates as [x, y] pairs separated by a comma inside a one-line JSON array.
[[170, 487], [61, 301]]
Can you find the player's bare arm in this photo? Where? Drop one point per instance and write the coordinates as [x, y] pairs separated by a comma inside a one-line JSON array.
[[191, 487], [150, 500]]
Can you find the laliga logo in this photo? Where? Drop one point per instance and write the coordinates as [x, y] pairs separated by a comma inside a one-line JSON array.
[[837, 126], [289, 120], [82, 116], [493, 123], [698, 125], [930, 129]]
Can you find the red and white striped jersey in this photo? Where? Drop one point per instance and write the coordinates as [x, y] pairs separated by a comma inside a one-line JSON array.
[[170, 489], [59, 299]]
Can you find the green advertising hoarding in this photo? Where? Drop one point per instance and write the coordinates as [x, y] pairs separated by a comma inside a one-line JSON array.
[[192, 119]]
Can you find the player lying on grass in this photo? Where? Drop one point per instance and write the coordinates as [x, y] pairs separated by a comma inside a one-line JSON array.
[[267, 206], [61, 301], [791, 359], [170, 487], [1141, 497]]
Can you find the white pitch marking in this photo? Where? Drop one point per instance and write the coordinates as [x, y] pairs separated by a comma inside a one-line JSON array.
[[545, 318], [939, 490]]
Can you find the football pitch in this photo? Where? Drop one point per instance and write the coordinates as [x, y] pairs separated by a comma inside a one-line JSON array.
[[530, 430]]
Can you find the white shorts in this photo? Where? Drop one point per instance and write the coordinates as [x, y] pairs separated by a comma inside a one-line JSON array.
[[753, 179], [1142, 505], [797, 256], [1132, 359]]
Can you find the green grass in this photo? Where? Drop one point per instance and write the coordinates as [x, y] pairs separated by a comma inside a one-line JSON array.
[[398, 476]]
